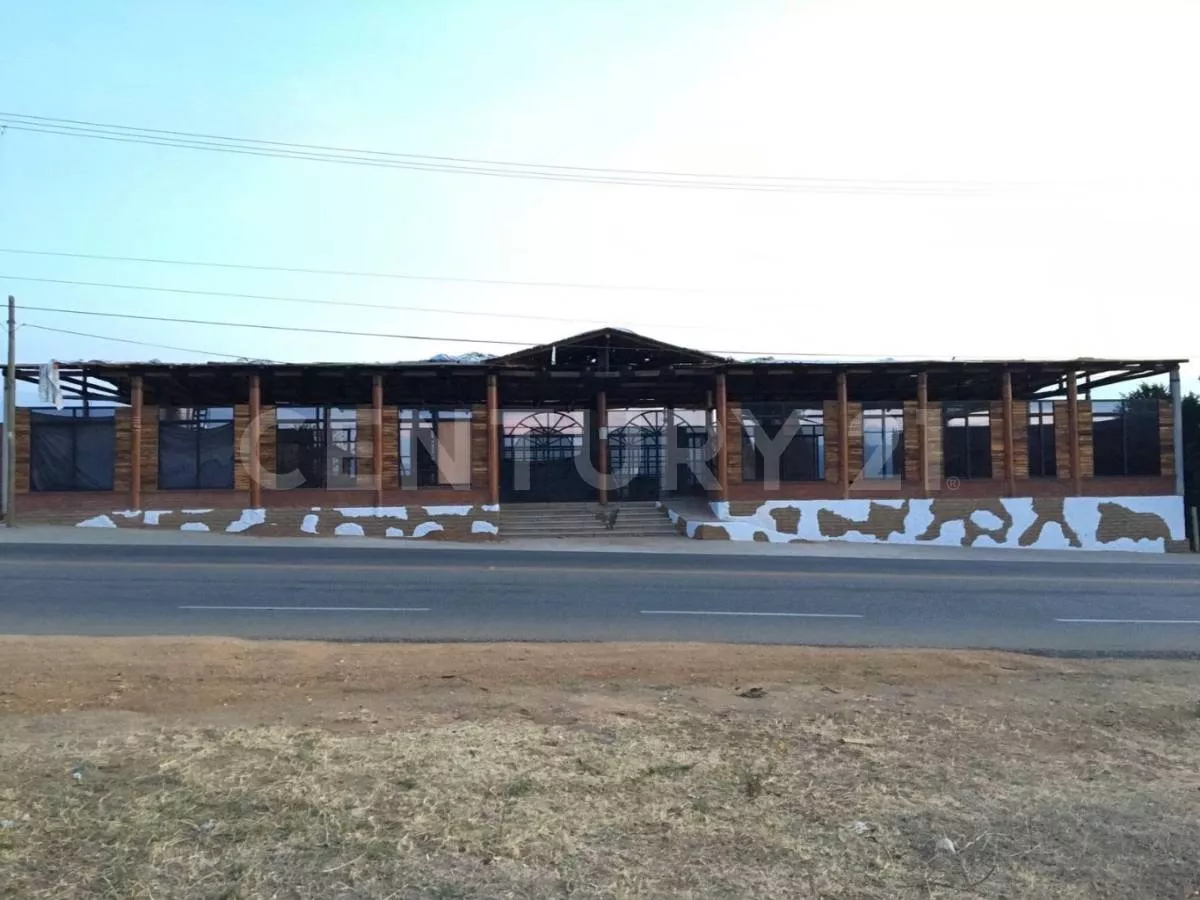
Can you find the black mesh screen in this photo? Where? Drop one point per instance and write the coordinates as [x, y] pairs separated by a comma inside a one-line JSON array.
[[72, 450]]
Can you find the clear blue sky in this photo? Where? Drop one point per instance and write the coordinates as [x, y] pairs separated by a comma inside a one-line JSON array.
[[1073, 115]]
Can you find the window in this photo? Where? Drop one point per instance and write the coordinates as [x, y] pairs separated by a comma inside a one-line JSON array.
[[966, 440], [780, 443], [316, 446], [1041, 439], [195, 448], [72, 449], [435, 447], [883, 441], [1125, 437]]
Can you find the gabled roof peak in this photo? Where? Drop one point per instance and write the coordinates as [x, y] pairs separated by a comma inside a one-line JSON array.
[[607, 347]]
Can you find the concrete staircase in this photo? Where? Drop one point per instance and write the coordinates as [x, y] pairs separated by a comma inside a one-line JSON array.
[[577, 520]]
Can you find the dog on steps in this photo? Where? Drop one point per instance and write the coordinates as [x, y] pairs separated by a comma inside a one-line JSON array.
[[608, 517]]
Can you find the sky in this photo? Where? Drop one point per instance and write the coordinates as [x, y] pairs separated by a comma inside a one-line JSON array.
[[1068, 129]]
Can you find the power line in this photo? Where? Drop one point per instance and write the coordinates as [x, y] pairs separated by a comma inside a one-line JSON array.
[[410, 337], [353, 273], [485, 162], [117, 340], [264, 327], [313, 301], [381, 159]]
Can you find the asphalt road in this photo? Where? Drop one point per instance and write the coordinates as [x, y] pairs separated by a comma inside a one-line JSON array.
[[442, 594]]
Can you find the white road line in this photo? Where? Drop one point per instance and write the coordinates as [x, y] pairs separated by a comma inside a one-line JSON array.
[[1130, 621], [405, 609], [715, 612]]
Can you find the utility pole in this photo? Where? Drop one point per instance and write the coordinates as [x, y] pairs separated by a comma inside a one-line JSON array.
[[10, 419]]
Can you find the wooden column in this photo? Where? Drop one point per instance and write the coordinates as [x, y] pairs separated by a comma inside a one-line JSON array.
[[255, 462], [1010, 456], [602, 447], [843, 402], [923, 430], [1073, 433], [722, 405], [377, 436], [493, 441], [137, 398]]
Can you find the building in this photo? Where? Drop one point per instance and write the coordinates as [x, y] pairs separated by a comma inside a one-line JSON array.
[[1010, 453]]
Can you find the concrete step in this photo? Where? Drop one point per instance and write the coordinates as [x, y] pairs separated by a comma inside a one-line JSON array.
[[548, 535], [590, 517], [587, 505]]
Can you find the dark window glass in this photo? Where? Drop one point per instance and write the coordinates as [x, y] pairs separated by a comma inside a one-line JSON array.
[[72, 449], [966, 440], [1042, 462], [1125, 437], [195, 448], [795, 437], [435, 447], [883, 441], [317, 445]]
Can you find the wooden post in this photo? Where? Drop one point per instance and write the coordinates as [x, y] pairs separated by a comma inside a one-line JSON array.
[[255, 462], [602, 447], [377, 436], [843, 401], [1010, 464], [722, 423], [493, 442], [137, 400], [923, 430], [1073, 433]]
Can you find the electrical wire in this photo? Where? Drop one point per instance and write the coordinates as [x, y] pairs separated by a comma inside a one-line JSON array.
[[352, 273], [312, 301], [425, 337], [250, 147], [264, 327], [117, 340], [475, 161]]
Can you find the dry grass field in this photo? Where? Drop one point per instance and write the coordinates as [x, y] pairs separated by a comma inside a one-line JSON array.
[[168, 768]]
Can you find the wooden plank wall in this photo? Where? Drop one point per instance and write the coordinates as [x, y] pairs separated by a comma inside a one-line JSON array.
[[364, 447], [21, 428], [1062, 441], [912, 441], [996, 432], [268, 445], [123, 430], [479, 447], [833, 431], [854, 411], [1166, 437], [1087, 454], [934, 431], [733, 440], [1021, 439], [149, 451], [391, 446], [241, 447]]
